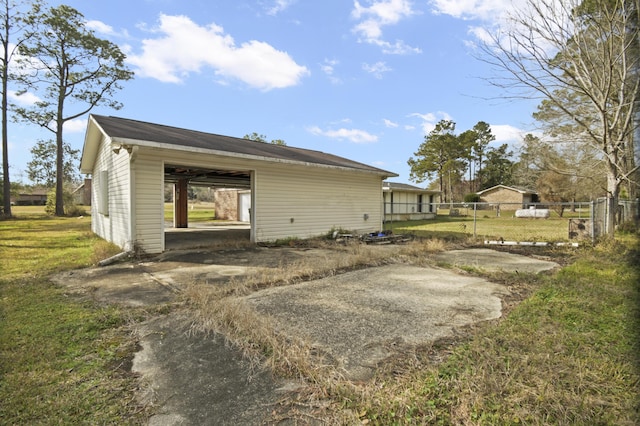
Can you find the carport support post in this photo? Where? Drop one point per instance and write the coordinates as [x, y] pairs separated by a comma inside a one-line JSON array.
[[180, 204]]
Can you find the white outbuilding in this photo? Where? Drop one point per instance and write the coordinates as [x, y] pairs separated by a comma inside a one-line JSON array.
[[295, 192]]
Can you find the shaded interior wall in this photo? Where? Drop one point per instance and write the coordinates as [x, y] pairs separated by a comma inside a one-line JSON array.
[[226, 204]]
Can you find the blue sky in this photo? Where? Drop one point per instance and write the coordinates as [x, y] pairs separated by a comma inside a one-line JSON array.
[[362, 79]]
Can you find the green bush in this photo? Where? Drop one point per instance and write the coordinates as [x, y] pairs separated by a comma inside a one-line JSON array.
[[70, 207], [472, 198]]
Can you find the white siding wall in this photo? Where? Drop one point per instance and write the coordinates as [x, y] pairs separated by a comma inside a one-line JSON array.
[[149, 202], [115, 225], [316, 199], [403, 202]]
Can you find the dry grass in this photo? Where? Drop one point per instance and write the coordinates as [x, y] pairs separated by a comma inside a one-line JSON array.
[[561, 357], [223, 310]]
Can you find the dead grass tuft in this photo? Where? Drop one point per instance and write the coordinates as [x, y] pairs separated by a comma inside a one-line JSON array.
[[103, 249]]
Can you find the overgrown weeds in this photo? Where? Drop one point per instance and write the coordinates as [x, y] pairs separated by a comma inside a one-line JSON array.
[[567, 354]]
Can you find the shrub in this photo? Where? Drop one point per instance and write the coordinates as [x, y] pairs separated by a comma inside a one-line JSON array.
[[628, 227], [70, 208], [472, 198]]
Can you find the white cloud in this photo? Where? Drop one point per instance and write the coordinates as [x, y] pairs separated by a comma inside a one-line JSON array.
[[389, 123], [24, 99], [105, 29], [379, 14], [352, 135], [505, 133], [430, 119], [76, 126], [328, 67], [278, 6], [100, 27], [376, 69], [183, 47], [488, 10]]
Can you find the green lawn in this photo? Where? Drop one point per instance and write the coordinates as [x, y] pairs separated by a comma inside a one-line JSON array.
[[61, 361], [196, 212], [487, 226]]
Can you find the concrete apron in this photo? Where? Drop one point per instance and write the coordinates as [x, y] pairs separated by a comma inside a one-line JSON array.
[[356, 319]]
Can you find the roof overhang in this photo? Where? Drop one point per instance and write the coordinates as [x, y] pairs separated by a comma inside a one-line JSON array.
[[95, 133]]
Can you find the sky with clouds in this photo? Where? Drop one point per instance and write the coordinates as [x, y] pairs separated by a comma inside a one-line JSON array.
[[364, 79]]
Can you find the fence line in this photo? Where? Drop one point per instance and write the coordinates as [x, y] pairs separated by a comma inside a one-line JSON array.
[[584, 218]]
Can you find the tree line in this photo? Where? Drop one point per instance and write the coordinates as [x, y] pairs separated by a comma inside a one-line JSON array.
[[460, 165]]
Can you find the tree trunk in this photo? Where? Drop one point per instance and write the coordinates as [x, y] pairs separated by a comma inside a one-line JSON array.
[[613, 189], [6, 183]]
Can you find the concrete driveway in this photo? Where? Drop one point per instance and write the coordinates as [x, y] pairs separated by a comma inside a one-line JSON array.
[[357, 319]]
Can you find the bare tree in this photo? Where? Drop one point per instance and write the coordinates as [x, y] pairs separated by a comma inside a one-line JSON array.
[[581, 58]]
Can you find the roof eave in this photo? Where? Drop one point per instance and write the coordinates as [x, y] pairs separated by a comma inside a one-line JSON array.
[[159, 145], [90, 146]]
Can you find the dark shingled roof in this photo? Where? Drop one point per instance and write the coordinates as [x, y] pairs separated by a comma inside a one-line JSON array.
[[141, 131]]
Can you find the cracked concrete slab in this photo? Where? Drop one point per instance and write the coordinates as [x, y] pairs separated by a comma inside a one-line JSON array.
[[361, 317], [494, 261], [357, 318]]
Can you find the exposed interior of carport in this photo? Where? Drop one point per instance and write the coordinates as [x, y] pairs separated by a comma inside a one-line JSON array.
[[181, 177]]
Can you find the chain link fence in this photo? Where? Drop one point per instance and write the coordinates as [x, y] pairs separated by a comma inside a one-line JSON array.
[[512, 221]]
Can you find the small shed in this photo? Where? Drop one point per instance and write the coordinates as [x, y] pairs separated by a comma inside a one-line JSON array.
[[508, 197], [408, 202], [294, 192]]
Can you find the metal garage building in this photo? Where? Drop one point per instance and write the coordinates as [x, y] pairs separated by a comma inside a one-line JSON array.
[[294, 192]]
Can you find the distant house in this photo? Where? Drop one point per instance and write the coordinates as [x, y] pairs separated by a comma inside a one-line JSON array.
[[408, 202], [34, 197], [82, 194], [508, 197]]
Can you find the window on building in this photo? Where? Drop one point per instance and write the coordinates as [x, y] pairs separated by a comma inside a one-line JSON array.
[[103, 193]]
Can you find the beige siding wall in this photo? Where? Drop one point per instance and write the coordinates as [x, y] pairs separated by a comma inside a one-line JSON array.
[[149, 202], [503, 195], [317, 199], [298, 201], [115, 225]]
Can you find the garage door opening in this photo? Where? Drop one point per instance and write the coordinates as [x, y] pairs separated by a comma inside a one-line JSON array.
[[206, 207]]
